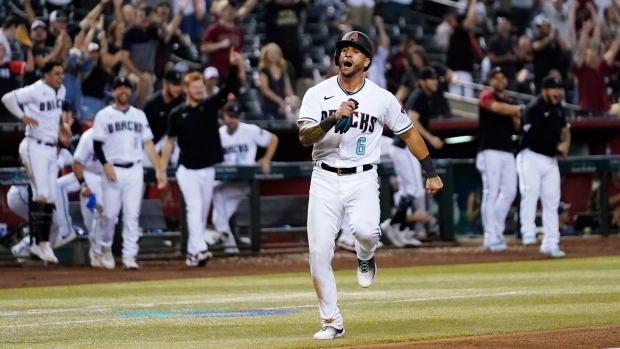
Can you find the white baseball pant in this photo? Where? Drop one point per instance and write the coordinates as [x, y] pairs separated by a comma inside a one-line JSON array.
[[539, 176], [197, 189], [125, 191], [62, 225], [91, 218], [331, 197], [409, 173], [499, 189], [226, 198], [41, 162]]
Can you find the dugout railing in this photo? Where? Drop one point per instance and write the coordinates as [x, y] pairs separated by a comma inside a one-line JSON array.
[[448, 169]]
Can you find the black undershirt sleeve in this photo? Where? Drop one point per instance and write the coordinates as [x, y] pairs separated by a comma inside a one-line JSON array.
[[98, 148]]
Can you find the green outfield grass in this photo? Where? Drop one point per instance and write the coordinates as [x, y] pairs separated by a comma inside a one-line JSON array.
[[279, 311]]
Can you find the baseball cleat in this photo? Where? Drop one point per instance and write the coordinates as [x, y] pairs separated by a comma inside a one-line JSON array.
[[107, 260], [44, 252], [366, 271], [129, 263], [554, 252], [329, 332], [497, 246], [22, 248], [407, 237], [391, 233], [529, 240], [198, 260]]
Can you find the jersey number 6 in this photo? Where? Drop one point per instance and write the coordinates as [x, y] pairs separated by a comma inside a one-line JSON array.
[[361, 148]]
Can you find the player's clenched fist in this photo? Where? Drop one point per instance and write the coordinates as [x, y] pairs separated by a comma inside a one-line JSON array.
[[433, 185], [109, 172], [345, 110]]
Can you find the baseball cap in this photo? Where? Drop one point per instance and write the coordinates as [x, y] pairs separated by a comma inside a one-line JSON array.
[[58, 16], [233, 110], [563, 206], [494, 71], [552, 82], [93, 46], [211, 72], [174, 77], [121, 81], [428, 73], [38, 24]]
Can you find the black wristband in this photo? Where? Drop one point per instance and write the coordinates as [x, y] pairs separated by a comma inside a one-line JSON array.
[[427, 165], [327, 123], [80, 180]]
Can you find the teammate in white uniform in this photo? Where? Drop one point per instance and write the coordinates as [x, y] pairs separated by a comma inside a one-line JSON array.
[[345, 179], [42, 113], [89, 174], [120, 133], [545, 139], [239, 143], [499, 120]]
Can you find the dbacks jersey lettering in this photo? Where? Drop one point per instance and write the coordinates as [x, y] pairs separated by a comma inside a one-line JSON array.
[[123, 133], [240, 147], [360, 145], [43, 103]]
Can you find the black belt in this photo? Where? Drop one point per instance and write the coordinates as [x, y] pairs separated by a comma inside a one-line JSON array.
[[42, 142], [345, 170], [126, 165]]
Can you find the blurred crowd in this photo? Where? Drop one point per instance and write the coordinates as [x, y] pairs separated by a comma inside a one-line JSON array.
[[287, 46]]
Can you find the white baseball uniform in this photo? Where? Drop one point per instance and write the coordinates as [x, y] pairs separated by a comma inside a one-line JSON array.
[[38, 149], [93, 176], [355, 194], [239, 149], [123, 134]]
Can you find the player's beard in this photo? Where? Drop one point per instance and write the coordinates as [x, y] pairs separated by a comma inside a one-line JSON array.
[[354, 71]]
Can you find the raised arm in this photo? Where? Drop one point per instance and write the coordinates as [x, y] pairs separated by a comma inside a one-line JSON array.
[[611, 53], [583, 43], [385, 39], [174, 24]]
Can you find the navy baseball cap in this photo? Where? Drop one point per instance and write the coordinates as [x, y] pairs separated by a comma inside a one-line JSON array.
[[552, 82], [233, 110], [174, 77], [121, 81], [428, 73], [494, 71]]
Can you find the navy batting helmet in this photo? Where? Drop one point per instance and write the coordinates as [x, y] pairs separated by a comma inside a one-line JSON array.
[[358, 40]]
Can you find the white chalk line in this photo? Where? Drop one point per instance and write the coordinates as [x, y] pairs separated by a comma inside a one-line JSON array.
[[53, 323], [99, 308]]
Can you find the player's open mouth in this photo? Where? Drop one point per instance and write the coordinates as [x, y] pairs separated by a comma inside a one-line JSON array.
[[347, 64]]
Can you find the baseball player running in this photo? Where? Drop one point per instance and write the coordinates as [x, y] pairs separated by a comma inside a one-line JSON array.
[[239, 143], [42, 113], [499, 119], [195, 124], [88, 173], [120, 132], [343, 118], [545, 139]]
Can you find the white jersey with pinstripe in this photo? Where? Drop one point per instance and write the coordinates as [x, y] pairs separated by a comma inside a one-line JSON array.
[[360, 145]]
